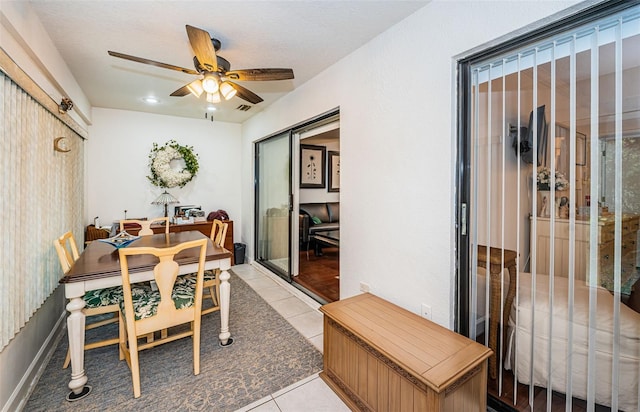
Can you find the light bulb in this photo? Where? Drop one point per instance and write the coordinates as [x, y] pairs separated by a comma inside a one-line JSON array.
[[195, 87], [210, 83], [213, 97], [227, 90]]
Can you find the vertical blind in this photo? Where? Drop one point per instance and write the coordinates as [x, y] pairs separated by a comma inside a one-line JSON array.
[[569, 329], [42, 197]]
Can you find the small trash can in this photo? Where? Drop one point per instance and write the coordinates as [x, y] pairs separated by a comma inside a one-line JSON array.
[[238, 252]]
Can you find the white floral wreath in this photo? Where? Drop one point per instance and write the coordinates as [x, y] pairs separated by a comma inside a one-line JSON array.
[[162, 174]]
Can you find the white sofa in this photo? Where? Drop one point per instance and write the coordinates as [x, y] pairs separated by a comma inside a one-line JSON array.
[[519, 342]]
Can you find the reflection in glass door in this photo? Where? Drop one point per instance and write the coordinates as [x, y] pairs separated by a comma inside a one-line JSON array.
[[273, 194]]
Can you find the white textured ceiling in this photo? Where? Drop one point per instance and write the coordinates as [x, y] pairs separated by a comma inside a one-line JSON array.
[[307, 36]]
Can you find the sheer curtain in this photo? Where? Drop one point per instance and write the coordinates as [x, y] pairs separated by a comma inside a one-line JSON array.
[[42, 197]]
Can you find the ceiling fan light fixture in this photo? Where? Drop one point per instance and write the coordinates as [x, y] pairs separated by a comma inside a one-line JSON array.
[[210, 83], [195, 87], [227, 90], [213, 97]]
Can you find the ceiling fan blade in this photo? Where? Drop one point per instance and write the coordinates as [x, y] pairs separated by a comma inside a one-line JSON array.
[[151, 62], [245, 93], [260, 74], [203, 48], [183, 91]]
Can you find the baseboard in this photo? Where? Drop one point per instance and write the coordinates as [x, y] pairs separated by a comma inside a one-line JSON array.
[[27, 384]]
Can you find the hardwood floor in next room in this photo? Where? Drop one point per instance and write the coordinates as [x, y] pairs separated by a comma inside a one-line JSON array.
[[321, 274]]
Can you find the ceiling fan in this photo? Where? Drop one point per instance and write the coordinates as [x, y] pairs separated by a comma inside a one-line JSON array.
[[215, 71]]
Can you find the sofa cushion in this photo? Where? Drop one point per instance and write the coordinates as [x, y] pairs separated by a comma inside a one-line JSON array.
[[334, 211], [318, 210]]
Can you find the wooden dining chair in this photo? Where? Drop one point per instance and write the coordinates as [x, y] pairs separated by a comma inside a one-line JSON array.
[[145, 225], [212, 277], [174, 303], [97, 302]]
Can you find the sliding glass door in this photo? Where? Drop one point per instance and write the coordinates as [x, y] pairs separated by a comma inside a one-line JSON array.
[[549, 213], [273, 203]]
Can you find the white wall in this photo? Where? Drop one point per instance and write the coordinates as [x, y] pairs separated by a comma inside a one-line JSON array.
[[119, 146], [397, 102]]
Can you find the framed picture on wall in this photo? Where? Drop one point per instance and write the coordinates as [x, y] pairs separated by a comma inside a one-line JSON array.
[[312, 166], [334, 171], [581, 149]]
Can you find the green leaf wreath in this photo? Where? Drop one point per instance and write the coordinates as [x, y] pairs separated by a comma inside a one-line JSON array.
[[162, 174]]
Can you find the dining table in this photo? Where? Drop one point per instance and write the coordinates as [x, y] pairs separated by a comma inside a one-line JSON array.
[[98, 266]]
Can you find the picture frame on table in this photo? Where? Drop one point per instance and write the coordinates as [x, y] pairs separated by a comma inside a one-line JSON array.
[[312, 166], [334, 171]]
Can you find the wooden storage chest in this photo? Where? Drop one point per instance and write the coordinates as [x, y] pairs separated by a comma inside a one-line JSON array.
[[380, 357]]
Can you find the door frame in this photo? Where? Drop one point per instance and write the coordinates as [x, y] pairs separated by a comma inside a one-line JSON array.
[[294, 191]]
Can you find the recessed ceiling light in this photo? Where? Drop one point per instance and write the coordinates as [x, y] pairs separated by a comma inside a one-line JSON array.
[[211, 108], [151, 100]]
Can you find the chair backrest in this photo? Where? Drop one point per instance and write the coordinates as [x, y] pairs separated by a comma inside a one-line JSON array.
[[218, 232], [165, 274], [67, 250], [145, 225]]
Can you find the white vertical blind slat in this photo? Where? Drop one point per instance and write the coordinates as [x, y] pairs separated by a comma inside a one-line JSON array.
[[593, 228], [502, 227], [552, 245], [487, 241], [534, 196], [618, 219], [518, 228], [572, 221]]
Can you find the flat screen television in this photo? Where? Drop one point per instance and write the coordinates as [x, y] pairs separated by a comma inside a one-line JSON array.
[[528, 141]]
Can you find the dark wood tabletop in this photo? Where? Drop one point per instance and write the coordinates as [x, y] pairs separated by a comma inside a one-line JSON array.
[[102, 260]]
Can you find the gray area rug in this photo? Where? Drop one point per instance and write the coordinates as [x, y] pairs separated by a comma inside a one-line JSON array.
[[268, 354]]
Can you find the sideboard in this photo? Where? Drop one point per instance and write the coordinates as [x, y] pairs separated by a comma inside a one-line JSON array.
[[203, 227], [606, 243]]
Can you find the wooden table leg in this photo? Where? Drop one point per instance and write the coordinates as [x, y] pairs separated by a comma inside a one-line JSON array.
[[225, 295], [75, 331]]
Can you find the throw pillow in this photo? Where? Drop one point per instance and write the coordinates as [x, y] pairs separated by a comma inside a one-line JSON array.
[[316, 220]]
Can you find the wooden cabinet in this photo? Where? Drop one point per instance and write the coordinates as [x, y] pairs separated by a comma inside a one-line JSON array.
[[380, 357], [606, 242], [203, 227]]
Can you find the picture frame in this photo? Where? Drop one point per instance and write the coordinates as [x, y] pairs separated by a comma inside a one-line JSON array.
[[581, 149], [312, 166], [334, 171]]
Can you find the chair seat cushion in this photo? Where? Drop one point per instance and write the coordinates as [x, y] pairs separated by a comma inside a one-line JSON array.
[[103, 297], [190, 278], [146, 300]]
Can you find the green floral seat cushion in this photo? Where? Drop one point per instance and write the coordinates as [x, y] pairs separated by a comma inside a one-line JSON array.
[[190, 278], [103, 297], [146, 300]]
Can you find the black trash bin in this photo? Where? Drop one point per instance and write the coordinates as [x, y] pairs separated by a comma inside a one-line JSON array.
[[238, 251]]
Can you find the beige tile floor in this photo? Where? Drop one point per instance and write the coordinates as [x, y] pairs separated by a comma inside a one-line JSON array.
[[310, 394]]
